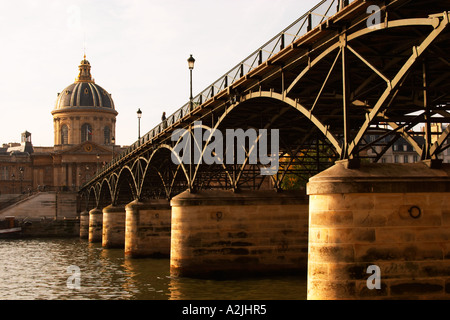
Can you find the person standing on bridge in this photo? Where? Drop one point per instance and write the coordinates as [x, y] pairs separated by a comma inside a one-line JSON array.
[[163, 119]]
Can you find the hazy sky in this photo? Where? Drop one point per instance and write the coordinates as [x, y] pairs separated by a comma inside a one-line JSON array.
[[137, 49]]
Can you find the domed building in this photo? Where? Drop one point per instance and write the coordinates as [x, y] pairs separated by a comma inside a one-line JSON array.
[[84, 126], [84, 112]]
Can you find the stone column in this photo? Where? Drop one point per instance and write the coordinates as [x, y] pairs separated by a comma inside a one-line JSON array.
[[113, 227], [57, 132], [147, 231], [70, 133], [78, 178], [221, 234], [69, 175], [84, 225], [95, 225], [380, 231]]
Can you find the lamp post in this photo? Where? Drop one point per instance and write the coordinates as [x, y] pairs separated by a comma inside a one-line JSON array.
[[21, 178], [98, 158], [139, 115], [191, 62], [13, 178], [113, 140]]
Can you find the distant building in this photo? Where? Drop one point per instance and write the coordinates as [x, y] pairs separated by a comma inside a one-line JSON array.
[[84, 125], [439, 128], [401, 151]]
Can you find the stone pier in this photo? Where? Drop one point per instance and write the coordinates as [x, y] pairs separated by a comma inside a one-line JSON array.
[[113, 227], [147, 230], [95, 225], [221, 234], [84, 225], [380, 231]]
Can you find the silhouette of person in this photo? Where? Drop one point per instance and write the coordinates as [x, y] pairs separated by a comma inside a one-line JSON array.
[[163, 119]]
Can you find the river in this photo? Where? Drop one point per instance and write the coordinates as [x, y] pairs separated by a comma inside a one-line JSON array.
[[74, 269]]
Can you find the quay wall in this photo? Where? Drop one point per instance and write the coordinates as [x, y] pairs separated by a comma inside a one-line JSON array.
[[46, 205], [45, 214]]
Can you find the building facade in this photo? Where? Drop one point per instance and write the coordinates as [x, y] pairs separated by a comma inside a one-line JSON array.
[[401, 151]]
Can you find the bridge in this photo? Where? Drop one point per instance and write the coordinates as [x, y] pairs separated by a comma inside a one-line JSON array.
[[346, 78]]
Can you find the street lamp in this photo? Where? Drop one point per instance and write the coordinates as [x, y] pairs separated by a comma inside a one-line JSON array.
[[191, 62], [98, 158], [21, 178], [139, 115], [13, 178], [113, 140]]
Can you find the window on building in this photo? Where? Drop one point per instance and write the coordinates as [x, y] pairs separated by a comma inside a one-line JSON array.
[[64, 135], [405, 147], [416, 158], [107, 135], [395, 147], [396, 159], [405, 159], [86, 132], [4, 173], [383, 160]]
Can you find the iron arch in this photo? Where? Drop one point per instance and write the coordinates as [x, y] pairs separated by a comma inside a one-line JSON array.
[[173, 178], [125, 189], [286, 105]]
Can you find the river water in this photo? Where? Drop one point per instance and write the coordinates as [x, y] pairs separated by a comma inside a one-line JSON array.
[[74, 269]]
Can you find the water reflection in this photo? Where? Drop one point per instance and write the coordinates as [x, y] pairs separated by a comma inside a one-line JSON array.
[[37, 269], [283, 288]]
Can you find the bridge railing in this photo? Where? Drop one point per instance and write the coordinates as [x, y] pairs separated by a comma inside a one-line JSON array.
[[310, 20]]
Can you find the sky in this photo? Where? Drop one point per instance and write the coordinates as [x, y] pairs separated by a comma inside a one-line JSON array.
[[138, 50]]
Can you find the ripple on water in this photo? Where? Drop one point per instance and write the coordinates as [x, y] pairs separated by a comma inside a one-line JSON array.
[[37, 269]]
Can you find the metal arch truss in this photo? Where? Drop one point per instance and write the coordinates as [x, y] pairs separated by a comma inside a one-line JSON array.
[[377, 112], [154, 175], [326, 91]]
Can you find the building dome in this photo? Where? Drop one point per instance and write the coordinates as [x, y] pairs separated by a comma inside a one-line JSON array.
[[84, 92], [84, 112]]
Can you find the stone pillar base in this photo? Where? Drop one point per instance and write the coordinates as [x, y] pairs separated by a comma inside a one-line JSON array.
[[113, 227], [221, 234], [395, 217], [95, 225], [147, 231], [84, 225]]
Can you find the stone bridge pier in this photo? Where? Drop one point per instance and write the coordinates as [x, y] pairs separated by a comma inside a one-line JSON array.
[[148, 229], [142, 229], [95, 225], [393, 217], [221, 234], [113, 228], [84, 225]]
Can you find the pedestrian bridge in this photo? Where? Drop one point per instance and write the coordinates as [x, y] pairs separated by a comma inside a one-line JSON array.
[[346, 78]]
